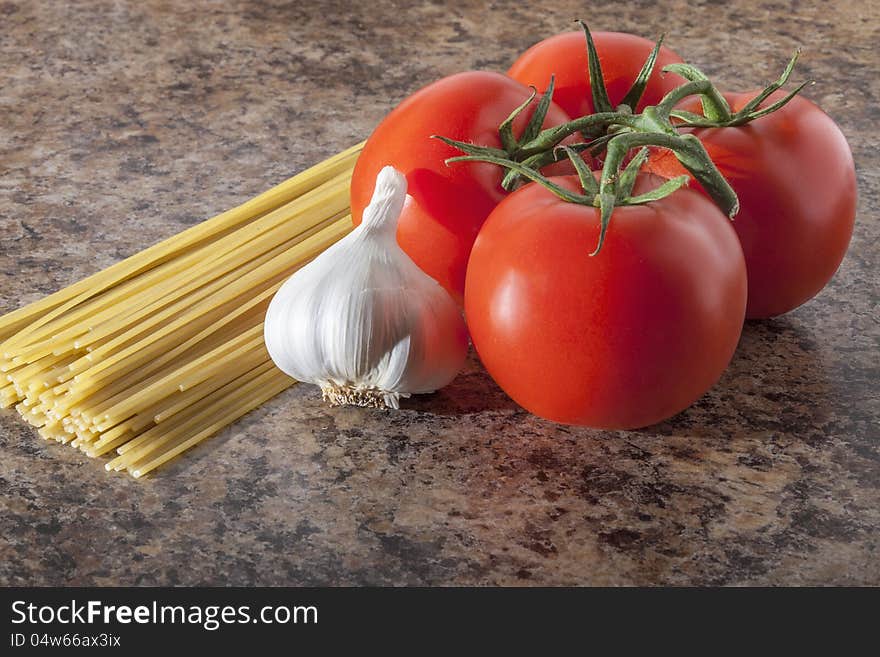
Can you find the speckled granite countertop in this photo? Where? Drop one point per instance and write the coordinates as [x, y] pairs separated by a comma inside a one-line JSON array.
[[122, 123]]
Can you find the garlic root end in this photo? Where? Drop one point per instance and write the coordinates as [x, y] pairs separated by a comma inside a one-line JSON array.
[[345, 395]]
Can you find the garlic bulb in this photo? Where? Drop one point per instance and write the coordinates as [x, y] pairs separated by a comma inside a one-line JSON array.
[[362, 320]]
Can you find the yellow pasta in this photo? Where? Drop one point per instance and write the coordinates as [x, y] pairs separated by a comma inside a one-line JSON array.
[[163, 349]]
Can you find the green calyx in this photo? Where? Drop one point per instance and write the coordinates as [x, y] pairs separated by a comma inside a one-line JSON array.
[[535, 147], [716, 111], [601, 101], [612, 190], [615, 131]]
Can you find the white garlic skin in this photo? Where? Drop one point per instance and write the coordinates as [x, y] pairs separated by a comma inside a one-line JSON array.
[[362, 320]]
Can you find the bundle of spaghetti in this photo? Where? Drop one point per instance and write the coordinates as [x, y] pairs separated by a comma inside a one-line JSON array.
[[154, 354]]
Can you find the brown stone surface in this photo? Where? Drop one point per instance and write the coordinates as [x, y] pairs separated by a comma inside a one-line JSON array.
[[122, 123]]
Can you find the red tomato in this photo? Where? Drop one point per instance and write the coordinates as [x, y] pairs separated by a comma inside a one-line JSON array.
[[793, 172], [621, 56], [619, 340], [450, 203]]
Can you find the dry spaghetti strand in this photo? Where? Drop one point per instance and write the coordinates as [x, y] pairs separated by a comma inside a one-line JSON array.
[[158, 352]]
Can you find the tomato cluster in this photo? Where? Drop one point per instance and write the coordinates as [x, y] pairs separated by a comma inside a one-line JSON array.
[[635, 333]]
